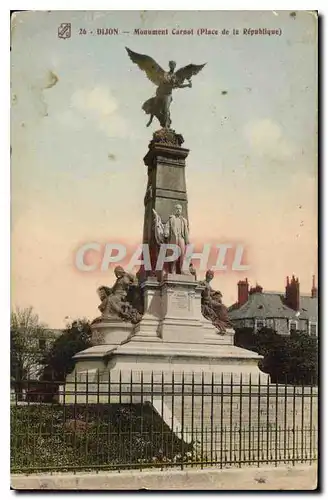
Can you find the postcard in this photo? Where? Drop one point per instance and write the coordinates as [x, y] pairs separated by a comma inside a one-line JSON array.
[[164, 246]]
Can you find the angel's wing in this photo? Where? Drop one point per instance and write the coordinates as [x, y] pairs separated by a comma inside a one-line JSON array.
[[187, 72], [153, 70]]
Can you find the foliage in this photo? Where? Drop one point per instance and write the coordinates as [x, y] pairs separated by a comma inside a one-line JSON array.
[[292, 359], [59, 360], [26, 331], [52, 436], [245, 337]]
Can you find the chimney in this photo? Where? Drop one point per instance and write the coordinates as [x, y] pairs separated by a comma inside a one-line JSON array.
[[314, 290], [242, 292], [292, 296], [256, 289]]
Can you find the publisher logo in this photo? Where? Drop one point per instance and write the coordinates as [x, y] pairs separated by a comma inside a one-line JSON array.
[[64, 31]]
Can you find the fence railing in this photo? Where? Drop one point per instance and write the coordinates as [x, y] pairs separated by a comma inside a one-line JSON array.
[[161, 420]]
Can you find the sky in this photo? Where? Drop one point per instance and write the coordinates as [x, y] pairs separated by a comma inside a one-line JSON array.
[[78, 139]]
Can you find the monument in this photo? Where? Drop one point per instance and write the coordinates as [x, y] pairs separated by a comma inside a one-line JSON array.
[[163, 320]]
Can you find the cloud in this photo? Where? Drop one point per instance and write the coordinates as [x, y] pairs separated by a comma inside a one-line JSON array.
[[266, 138], [99, 106], [98, 100], [71, 119]]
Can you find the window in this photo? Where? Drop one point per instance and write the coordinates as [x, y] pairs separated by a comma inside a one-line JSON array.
[[249, 323], [270, 323], [259, 323], [313, 329], [292, 326]]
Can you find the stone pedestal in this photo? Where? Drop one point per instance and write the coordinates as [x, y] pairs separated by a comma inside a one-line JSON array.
[[110, 331], [173, 311], [172, 337], [181, 320]]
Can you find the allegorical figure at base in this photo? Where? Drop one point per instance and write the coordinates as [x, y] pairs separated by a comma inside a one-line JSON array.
[[212, 307], [123, 300]]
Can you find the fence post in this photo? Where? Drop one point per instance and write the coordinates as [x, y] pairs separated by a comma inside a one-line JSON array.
[[120, 422], [192, 416], [268, 421], [294, 415], [182, 420], [240, 416], [202, 422], [231, 407], [249, 416], [302, 423], [212, 416], [277, 428], [311, 400], [172, 416], [130, 413], [162, 412], [141, 412], [221, 422], [258, 419]]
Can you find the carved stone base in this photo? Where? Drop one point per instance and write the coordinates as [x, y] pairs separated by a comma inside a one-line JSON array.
[[148, 327], [110, 331], [168, 137], [173, 311], [181, 320], [154, 361], [173, 337]]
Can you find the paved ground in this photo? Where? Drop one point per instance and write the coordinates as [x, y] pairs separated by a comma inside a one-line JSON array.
[[300, 477]]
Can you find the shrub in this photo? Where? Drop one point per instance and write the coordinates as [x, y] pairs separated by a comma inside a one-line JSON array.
[[87, 436], [287, 359]]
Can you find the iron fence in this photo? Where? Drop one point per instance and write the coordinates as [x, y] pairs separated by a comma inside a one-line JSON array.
[[141, 420]]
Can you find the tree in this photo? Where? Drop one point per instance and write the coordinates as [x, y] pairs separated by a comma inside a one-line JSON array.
[[245, 338], [302, 358], [275, 350], [287, 359], [59, 360], [267, 339], [26, 333]]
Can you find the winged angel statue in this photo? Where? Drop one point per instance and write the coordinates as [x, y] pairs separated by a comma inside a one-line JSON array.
[[165, 81]]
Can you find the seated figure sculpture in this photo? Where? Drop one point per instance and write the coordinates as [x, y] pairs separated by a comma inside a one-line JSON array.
[[212, 307], [123, 300]]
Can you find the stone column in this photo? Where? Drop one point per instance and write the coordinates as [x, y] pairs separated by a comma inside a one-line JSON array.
[[166, 185]]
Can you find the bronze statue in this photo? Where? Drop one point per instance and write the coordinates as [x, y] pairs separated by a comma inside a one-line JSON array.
[[122, 300], [212, 307], [165, 81]]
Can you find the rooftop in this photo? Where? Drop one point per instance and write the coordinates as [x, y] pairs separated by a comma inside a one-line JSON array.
[[271, 305]]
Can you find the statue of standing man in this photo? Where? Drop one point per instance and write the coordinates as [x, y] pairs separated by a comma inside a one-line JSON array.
[[174, 232]]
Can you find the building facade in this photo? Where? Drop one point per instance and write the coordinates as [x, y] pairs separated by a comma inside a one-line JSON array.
[[283, 312]]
